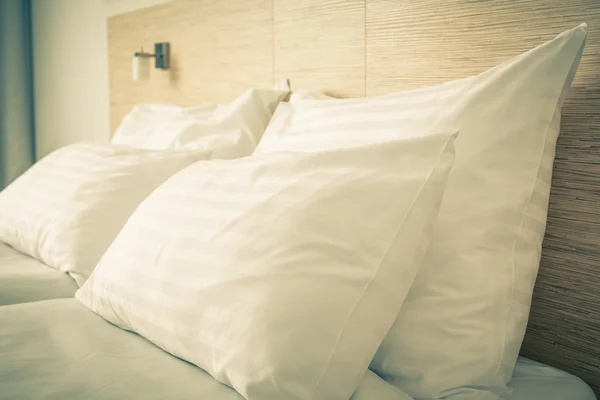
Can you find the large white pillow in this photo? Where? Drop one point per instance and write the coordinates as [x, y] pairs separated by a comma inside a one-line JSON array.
[[231, 130], [462, 325], [68, 207], [278, 274]]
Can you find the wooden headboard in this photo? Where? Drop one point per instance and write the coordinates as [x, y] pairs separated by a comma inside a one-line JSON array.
[[370, 47]]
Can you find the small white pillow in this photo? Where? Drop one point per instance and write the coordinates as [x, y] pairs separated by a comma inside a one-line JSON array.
[[299, 95], [232, 130], [68, 207], [460, 330], [278, 274]]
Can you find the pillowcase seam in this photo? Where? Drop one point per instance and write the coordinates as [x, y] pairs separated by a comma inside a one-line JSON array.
[[383, 258]]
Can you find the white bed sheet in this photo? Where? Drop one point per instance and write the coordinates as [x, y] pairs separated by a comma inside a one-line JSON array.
[[57, 349], [534, 381], [24, 279]]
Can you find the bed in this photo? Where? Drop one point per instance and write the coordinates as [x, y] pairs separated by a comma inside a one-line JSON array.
[[367, 48], [64, 351], [355, 48], [24, 279]]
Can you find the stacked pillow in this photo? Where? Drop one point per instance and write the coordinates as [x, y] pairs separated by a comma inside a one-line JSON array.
[[230, 131], [459, 332], [67, 208], [267, 271]]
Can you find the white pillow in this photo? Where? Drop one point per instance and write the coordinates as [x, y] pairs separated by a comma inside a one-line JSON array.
[[299, 95], [462, 325], [232, 130], [278, 274], [67, 208]]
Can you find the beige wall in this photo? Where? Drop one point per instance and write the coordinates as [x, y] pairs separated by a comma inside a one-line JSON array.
[[115, 7], [71, 69]]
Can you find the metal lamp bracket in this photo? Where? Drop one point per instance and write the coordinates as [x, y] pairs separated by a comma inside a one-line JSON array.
[[161, 55]]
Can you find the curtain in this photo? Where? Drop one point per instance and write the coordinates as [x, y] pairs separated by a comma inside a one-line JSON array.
[[16, 90]]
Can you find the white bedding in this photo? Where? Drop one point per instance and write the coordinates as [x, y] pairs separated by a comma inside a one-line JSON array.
[[66, 352], [58, 349], [534, 381], [24, 279]]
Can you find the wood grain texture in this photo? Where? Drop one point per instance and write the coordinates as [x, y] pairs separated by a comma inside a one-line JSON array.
[[358, 47], [426, 42], [320, 45], [219, 48], [412, 44]]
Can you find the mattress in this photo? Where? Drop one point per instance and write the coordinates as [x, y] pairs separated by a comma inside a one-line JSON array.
[[24, 279], [57, 349]]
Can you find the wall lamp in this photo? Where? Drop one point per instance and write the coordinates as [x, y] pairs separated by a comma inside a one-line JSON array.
[[141, 61]]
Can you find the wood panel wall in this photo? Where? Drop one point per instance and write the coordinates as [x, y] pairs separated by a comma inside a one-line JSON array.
[[370, 47], [219, 49]]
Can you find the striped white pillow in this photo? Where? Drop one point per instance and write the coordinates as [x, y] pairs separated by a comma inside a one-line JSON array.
[[278, 274], [231, 131], [67, 208], [463, 323]]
